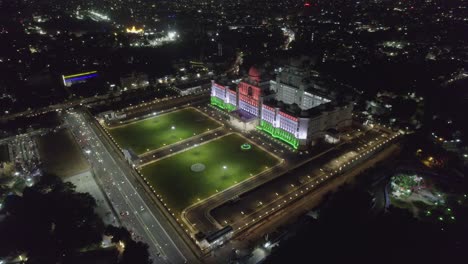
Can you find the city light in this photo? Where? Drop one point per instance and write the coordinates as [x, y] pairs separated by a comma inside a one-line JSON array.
[[98, 17], [134, 30], [79, 74], [68, 80], [291, 125], [171, 35]]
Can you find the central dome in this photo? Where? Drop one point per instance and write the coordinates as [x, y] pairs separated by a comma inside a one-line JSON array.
[[254, 74]]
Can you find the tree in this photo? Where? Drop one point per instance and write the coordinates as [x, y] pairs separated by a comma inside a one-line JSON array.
[[118, 234], [49, 221], [135, 252], [52, 223], [404, 109], [346, 233]]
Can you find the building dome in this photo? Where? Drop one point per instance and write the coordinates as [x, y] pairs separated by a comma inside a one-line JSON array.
[[254, 74]]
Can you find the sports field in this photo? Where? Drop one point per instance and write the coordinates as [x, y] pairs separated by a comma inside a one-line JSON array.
[[225, 165], [159, 131]]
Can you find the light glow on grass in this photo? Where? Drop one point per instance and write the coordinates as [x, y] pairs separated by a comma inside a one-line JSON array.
[[162, 130], [226, 164]]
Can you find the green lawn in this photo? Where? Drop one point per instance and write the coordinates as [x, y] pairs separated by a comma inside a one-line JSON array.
[[173, 178], [156, 132]]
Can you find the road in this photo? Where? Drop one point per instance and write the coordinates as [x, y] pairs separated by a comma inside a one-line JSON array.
[[311, 177], [250, 205], [46, 109], [84, 101], [200, 218], [299, 207], [140, 215], [144, 221], [153, 156], [164, 104]]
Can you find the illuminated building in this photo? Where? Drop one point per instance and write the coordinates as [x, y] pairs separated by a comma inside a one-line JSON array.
[[290, 107], [69, 80], [134, 81], [192, 87], [97, 16], [134, 30]]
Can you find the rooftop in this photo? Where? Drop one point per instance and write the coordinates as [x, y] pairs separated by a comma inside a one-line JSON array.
[[188, 85], [294, 110], [219, 233]]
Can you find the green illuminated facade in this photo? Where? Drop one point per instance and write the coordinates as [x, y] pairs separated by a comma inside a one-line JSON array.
[[275, 132], [279, 133], [221, 104]]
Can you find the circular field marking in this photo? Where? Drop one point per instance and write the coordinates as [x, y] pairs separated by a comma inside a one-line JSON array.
[[246, 146], [197, 167]]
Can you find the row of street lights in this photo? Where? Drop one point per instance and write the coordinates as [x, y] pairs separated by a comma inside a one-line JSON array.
[[307, 188]]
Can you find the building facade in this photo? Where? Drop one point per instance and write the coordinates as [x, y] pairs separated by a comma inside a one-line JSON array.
[[286, 108]]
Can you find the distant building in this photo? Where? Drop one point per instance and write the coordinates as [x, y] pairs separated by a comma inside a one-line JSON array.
[[332, 136], [215, 239], [192, 87], [290, 107], [69, 80], [134, 81], [112, 115]]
